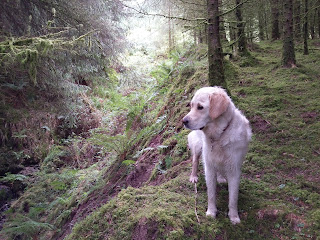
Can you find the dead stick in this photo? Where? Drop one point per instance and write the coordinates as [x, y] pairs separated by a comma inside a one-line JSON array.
[[195, 202]]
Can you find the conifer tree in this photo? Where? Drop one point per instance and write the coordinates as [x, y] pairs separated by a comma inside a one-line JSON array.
[[288, 54], [215, 58]]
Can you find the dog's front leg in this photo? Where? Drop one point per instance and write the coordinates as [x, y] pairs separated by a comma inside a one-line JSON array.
[[195, 163], [211, 181], [233, 187]]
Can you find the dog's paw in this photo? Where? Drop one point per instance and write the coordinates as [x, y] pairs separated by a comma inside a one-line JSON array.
[[234, 220], [193, 179]]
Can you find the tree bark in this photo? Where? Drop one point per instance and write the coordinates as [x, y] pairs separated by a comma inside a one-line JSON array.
[[297, 19], [266, 24], [275, 34], [312, 22], [318, 12], [223, 33], [200, 36], [288, 54], [215, 58], [242, 42], [318, 22], [261, 20], [233, 38], [170, 29], [305, 29]]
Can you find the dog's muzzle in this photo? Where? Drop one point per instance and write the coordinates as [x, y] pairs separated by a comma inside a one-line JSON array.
[[186, 123]]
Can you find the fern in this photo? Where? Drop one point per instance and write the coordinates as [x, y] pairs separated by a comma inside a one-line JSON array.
[[13, 177], [55, 152], [22, 225]]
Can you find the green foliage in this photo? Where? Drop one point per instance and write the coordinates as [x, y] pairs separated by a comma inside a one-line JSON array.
[[167, 213], [13, 177], [25, 226], [315, 218], [52, 160], [26, 51], [278, 195]]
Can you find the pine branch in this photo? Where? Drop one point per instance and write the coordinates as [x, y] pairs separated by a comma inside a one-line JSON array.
[[234, 8]]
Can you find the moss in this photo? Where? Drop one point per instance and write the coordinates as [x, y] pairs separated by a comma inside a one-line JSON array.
[[278, 174], [165, 207], [315, 218]]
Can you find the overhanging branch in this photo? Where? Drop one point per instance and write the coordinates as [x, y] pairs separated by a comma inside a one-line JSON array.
[[139, 11], [234, 8]]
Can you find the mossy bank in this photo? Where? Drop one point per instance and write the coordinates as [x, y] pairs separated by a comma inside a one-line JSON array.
[[140, 188]]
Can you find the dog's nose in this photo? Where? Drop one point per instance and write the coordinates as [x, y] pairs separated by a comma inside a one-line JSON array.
[[185, 121]]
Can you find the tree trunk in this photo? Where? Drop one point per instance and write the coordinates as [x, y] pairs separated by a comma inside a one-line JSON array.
[[266, 24], [242, 42], [200, 36], [170, 29], [261, 20], [275, 34], [318, 18], [288, 54], [223, 33], [318, 10], [215, 58], [305, 30], [313, 23], [297, 19], [233, 38]]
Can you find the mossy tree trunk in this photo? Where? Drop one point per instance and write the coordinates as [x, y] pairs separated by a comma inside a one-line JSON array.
[[215, 57], [318, 13], [305, 30], [223, 33], [288, 54], [275, 33], [242, 42], [261, 21], [312, 23], [297, 19]]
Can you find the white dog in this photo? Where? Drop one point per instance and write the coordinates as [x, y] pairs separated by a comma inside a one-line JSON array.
[[226, 134], [195, 146]]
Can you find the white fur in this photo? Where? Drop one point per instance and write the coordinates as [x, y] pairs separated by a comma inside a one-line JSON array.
[[225, 142], [195, 145]]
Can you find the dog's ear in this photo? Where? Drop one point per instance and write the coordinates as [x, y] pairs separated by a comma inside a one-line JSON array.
[[218, 104]]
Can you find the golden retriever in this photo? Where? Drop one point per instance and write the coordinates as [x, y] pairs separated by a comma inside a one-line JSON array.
[[224, 137]]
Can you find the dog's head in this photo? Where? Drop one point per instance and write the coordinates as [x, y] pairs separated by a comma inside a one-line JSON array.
[[208, 104]]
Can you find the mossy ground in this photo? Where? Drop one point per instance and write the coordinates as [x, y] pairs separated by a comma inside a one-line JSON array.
[[279, 191]]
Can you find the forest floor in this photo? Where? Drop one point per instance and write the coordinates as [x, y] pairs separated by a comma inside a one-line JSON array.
[[140, 189]]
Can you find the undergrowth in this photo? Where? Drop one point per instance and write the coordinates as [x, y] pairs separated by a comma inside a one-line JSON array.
[[279, 191]]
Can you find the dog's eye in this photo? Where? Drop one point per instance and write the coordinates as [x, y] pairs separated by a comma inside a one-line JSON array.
[[200, 107]]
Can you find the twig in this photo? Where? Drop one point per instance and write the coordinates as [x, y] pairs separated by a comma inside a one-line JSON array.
[[140, 11], [232, 9], [195, 202]]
